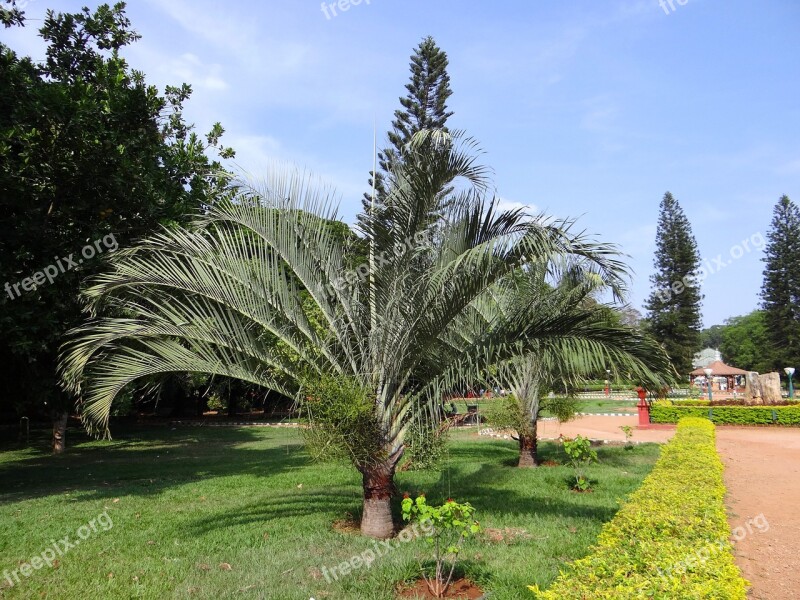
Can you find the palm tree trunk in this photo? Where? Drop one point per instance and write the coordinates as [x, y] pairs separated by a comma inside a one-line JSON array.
[[378, 482], [60, 432], [528, 449]]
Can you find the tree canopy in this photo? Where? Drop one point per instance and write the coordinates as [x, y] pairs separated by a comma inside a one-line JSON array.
[[88, 152]]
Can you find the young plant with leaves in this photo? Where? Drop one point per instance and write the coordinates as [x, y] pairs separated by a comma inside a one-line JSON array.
[[580, 454], [628, 431], [449, 525]]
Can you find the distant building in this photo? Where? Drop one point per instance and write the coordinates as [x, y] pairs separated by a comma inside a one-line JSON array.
[[705, 357]]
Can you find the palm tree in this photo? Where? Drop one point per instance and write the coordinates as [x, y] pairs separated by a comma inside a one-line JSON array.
[[589, 343], [258, 290]]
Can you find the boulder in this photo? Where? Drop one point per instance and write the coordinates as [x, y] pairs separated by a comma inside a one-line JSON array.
[[752, 392], [771, 388], [763, 389]]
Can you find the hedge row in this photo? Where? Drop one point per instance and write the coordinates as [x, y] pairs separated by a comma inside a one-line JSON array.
[[670, 540], [727, 415], [704, 402]]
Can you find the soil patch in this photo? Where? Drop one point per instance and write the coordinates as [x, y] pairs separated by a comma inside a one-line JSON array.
[[348, 525], [463, 589]]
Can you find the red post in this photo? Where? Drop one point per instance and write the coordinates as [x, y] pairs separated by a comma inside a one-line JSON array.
[[644, 408]]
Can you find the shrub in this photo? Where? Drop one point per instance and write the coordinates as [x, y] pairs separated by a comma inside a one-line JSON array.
[[507, 413], [670, 540], [661, 412], [216, 403], [340, 420], [426, 446]]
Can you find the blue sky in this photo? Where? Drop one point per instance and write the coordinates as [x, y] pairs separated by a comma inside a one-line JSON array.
[[585, 109]]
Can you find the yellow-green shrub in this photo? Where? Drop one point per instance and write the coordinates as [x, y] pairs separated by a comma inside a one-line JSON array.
[[670, 540]]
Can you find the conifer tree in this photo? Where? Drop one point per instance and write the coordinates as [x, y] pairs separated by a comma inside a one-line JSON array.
[[423, 107], [674, 305], [780, 291]]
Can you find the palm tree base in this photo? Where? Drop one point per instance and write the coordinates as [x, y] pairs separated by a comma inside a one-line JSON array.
[[528, 457], [376, 519]]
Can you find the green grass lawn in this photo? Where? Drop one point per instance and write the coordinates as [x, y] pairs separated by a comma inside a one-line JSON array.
[[608, 406], [243, 513]]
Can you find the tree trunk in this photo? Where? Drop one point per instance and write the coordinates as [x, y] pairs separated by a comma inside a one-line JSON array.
[[528, 449], [60, 432], [378, 482]]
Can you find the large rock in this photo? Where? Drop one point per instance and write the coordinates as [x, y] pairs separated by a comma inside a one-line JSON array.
[[752, 392], [763, 389], [771, 388]]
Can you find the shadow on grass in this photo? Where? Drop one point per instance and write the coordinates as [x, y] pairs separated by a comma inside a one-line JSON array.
[[332, 501], [486, 474], [147, 461], [476, 472]]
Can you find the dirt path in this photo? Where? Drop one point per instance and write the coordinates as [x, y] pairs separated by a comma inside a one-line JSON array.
[[762, 474], [604, 428]]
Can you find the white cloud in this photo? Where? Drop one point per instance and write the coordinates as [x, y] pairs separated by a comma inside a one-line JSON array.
[[254, 46], [189, 67], [506, 204]]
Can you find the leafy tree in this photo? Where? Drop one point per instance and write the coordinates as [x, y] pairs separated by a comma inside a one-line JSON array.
[[209, 299], [423, 107], [11, 14], [88, 152], [629, 316], [711, 337], [674, 304], [780, 291], [746, 342]]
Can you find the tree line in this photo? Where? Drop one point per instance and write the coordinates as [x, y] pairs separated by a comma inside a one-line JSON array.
[[768, 339]]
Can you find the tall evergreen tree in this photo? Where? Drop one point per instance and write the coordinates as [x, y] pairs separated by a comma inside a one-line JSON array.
[[423, 107], [674, 304], [781, 288]]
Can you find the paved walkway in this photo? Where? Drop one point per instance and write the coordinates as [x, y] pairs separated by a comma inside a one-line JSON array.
[[762, 475]]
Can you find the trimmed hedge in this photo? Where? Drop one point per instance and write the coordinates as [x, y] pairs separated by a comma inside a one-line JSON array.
[[661, 412], [717, 403], [670, 540]]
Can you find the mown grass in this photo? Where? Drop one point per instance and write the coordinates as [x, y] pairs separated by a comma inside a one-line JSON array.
[[607, 406], [243, 513]]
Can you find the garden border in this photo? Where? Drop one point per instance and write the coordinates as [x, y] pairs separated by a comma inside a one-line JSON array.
[[671, 539]]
